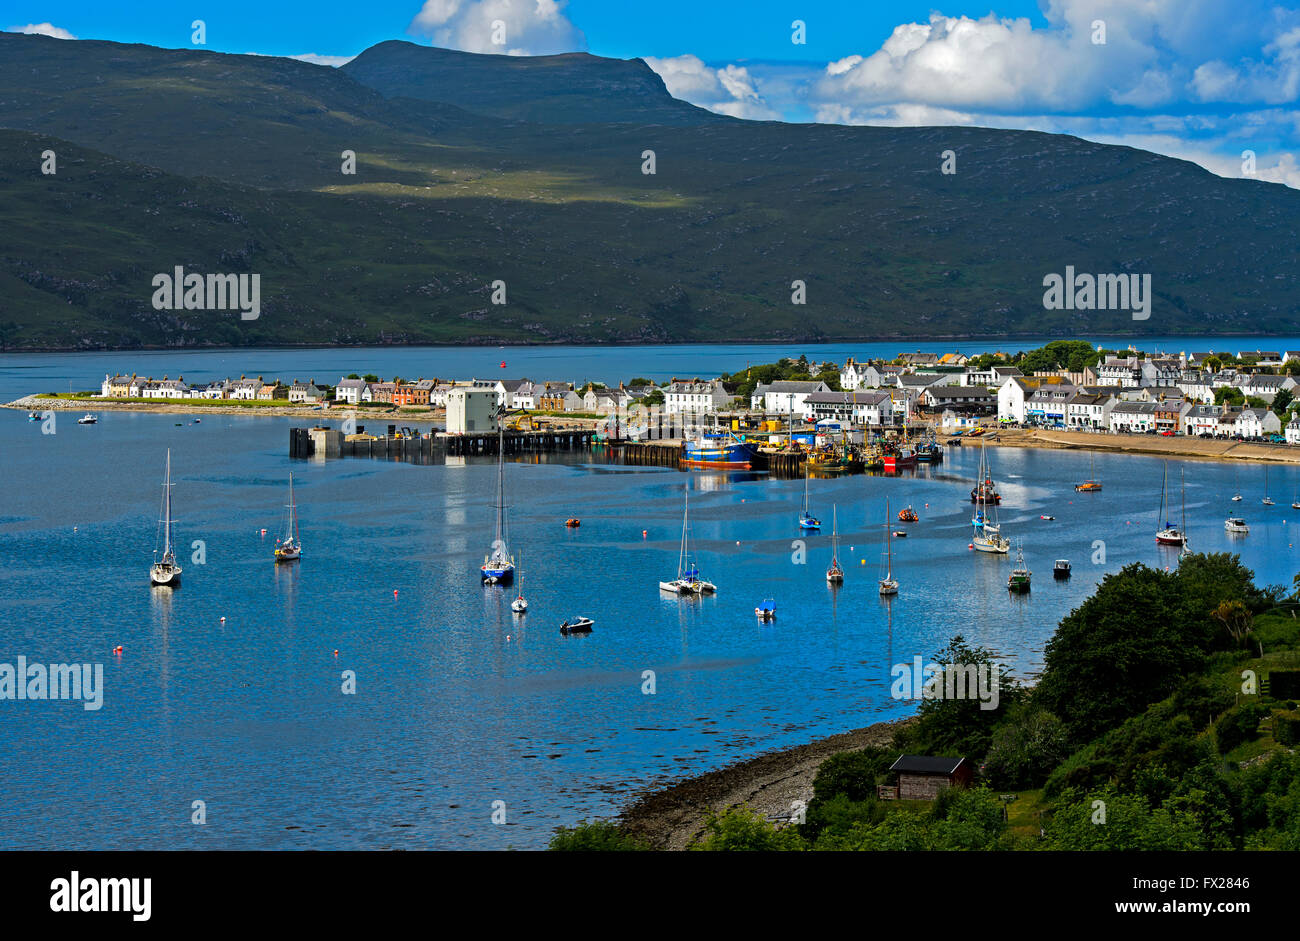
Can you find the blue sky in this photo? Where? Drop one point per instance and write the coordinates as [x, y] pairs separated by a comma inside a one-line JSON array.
[[1204, 80]]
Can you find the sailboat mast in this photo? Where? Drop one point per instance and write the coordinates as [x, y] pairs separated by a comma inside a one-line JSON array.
[[501, 485], [889, 546], [1164, 487], [167, 508]]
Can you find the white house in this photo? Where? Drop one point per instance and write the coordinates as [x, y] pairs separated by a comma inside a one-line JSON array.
[[1133, 417], [306, 392], [1255, 422], [1293, 431], [864, 409], [1119, 372], [1088, 410], [1202, 420], [853, 375], [349, 391], [694, 395], [786, 396], [1265, 386], [244, 389]]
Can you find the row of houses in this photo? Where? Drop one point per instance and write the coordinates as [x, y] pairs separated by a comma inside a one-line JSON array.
[[241, 389]]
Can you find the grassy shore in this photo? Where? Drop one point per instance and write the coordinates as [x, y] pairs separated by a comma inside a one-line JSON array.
[[671, 818]]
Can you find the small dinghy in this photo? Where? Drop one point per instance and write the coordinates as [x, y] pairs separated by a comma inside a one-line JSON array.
[[87, 419], [1061, 568], [1041, 517], [578, 625], [766, 611], [573, 522], [900, 533]]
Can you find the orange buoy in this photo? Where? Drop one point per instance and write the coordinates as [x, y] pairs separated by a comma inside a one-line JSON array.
[[643, 534], [336, 653], [117, 649], [394, 592], [223, 620]]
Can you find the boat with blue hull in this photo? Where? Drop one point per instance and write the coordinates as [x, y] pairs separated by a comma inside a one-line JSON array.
[[719, 450]]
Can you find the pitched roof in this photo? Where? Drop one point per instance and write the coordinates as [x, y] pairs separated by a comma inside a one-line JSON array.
[[925, 764]]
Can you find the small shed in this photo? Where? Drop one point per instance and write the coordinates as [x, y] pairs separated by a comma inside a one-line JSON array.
[[922, 777]]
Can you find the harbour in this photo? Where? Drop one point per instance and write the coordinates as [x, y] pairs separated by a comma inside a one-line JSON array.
[[454, 689]]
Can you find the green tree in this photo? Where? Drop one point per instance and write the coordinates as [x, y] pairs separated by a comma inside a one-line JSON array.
[[1282, 403], [1229, 395], [1126, 646], [654, 398], [961, 726], [1025, 748]]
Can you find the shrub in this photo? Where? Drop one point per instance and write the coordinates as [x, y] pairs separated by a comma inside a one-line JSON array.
[[1025, 750], [594, 836], [1238, 726], [1286, 728], [742, 830]]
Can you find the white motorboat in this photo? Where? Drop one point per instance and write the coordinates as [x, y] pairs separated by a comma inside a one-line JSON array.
[[577, 625], [1235, 524]]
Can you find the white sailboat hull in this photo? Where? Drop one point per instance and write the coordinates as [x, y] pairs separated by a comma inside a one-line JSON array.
[[996, 544], [888, 586], [166, 575]]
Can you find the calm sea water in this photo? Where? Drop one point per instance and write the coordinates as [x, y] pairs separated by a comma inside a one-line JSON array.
[[458, 703], [64, 372]]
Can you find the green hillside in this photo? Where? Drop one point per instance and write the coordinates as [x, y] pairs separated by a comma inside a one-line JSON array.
[[232, 163]]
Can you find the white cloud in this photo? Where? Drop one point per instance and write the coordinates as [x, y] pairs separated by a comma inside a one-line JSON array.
[[729, 90], [530, 27], [42, 29]]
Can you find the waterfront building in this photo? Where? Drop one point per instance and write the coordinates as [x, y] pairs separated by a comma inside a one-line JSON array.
[[472, 410], [786, 396], [349, 391], [1293, 431], [938, 397], [1133, 417], [694, 395], [864, 409], [1088, 410], [306, 392]]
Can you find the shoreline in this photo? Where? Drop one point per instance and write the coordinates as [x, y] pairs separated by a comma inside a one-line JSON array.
[[595, 343], [1210, 449], [670, 817]]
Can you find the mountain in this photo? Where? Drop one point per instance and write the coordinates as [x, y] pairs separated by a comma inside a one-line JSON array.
[[227, 163], [574, 88]]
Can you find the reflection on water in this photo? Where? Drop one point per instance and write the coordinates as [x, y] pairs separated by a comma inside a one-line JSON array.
[[460, 702]]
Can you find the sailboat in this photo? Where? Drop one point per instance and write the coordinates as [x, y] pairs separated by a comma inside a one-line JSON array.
[[1236, 496], [888, 584], [1091, 485], [987, 535], [520, 605], [1267, 501], [1295, 503], [165, 571], [289, 549], [688, 581], [1018, 580], [1171, 535], [499, 566], [835, 574], [807, 520]]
